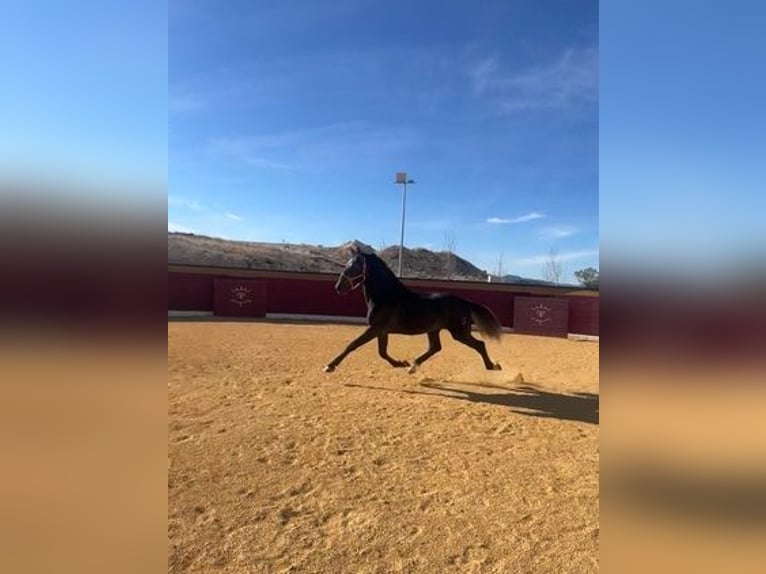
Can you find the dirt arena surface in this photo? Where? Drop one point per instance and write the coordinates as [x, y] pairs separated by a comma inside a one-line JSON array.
[[275, 466]]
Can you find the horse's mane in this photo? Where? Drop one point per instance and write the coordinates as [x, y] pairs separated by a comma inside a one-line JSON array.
[[384, 278]]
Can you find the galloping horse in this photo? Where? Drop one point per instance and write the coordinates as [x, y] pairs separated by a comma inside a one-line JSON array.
[[392, 308]]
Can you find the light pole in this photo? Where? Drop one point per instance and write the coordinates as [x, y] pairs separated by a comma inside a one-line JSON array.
[[401, 179]]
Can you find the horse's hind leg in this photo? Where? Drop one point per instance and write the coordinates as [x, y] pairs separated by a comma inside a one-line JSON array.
[[383, 352], [365, 337], [434, 346], [465, 337]]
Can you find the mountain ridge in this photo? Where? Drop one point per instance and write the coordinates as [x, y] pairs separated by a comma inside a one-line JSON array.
[[417, 263]]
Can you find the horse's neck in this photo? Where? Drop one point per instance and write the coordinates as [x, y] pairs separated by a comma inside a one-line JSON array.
[[381, 285]]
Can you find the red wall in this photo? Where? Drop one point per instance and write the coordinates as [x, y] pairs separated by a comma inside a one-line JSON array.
[[542, 316], [583, 315], [240, 297], [190, 292], [314, 294]]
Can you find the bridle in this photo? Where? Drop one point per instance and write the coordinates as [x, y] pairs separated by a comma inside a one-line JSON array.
[[356, 280]]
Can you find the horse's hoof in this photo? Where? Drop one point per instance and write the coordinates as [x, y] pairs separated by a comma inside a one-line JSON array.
[[328, 369], [497, 367], [413, 369]]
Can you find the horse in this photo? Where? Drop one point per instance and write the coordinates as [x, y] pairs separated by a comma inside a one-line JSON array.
[[393, 308]]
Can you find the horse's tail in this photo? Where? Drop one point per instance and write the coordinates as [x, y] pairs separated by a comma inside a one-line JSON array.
[[486, 321]]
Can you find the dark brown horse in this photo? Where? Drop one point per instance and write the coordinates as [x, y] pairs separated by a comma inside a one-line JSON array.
[[392, 308]]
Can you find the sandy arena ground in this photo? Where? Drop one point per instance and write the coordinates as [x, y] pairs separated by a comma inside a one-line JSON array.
[[275, 466]]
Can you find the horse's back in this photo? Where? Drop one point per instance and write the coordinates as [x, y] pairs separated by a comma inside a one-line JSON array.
[[426, 312], [453, 302]]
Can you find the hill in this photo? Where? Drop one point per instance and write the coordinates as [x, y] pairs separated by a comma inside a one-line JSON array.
[[519, 280], [191, 249]]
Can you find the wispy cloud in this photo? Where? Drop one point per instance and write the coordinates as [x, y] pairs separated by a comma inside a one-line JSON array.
[[521, 219], [251, 151], [185, 103], [313, 148], [186, 203], [213, 91], [558, 232], [484, 74], [201, 211], [536, 260], [571, 79]]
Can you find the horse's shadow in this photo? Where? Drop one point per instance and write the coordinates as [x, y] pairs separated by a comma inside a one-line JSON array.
[[527, 399]]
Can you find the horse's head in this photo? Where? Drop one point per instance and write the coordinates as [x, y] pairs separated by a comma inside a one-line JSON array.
[[353, 274]]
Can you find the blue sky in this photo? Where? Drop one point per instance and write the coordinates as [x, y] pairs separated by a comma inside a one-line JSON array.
[[84, 91], [683, 135], [294, 122], [287, 121]]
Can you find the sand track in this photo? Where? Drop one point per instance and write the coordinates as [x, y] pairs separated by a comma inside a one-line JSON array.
[[276, 466]]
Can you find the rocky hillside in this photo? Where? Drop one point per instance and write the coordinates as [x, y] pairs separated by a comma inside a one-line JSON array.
[[185, 248], [432, 265], [190, 249]]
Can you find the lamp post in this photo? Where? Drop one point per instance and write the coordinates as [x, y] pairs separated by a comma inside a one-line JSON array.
[[401, 179]]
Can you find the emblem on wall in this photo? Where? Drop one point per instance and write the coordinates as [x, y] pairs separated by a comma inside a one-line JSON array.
[[241, 296], [540, 314]]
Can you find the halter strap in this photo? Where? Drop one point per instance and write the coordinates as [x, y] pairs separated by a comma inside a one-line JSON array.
[[357, 280]]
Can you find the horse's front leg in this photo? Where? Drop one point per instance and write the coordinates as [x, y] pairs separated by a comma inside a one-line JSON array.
[[383, 352], [434, 346], [365, 337]]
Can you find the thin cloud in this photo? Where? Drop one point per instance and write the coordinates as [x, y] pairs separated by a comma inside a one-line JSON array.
[[558, 232], [334, 144], [521, 219], [537, 260], [204, 211], [185, 103], [254, 151], [266, 162], [570, 79], [483, 74], [186, 203]]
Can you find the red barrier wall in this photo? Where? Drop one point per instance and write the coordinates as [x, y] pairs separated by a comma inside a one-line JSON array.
[[192, 289], [542, 316], [240, 298], [190, 292], [584, 315]]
